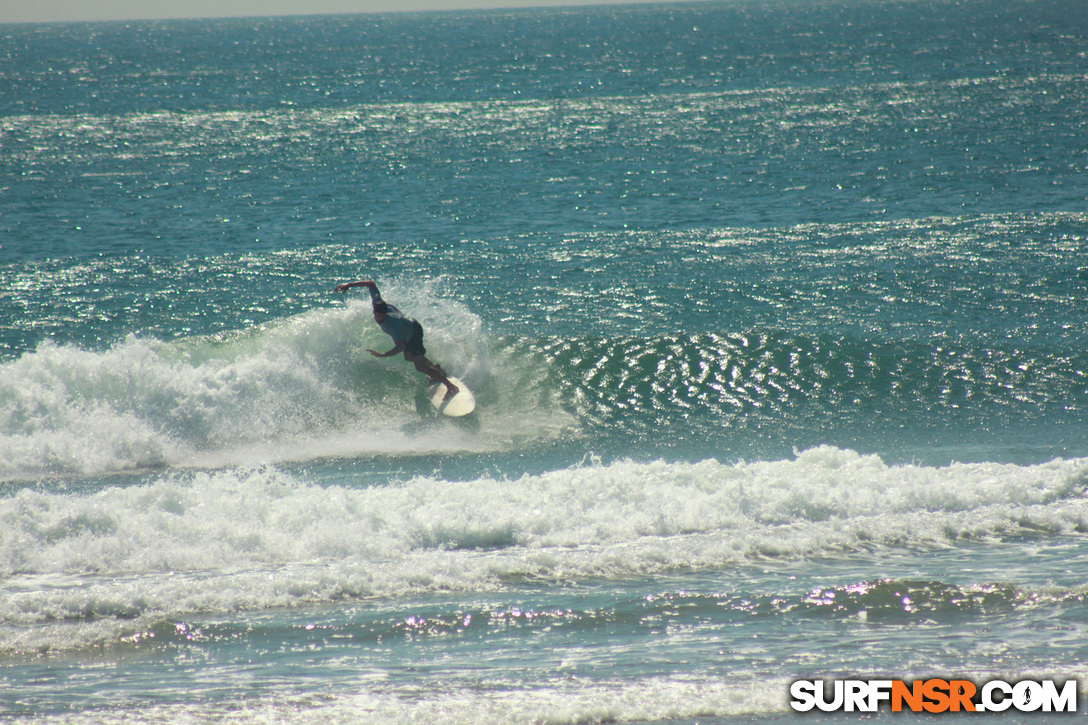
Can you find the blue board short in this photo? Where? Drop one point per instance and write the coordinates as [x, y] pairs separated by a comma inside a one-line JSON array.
[[414, 346]]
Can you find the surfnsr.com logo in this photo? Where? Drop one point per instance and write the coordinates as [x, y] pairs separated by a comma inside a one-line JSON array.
[[933, 695]]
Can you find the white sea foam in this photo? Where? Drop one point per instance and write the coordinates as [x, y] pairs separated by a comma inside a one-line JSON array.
[[89, 569], [298, 389], [648, 700], [559, 702]]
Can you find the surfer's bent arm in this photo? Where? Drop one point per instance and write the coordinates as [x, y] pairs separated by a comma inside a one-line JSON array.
[[397, 349]]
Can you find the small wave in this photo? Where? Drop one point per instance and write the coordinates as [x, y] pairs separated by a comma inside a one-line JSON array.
[[883, 600], [110, 564], [905, 600], [808, 389], [300, 388], [823, 500]]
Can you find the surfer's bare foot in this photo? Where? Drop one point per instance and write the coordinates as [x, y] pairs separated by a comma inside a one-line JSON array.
[[451, 390]]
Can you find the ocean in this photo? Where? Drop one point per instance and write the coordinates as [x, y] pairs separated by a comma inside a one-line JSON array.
[[774, 313]]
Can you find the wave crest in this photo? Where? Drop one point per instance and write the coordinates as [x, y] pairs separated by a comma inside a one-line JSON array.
[[297, 389], [262, 538]]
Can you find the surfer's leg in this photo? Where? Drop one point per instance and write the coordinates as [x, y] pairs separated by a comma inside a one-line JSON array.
[[432, 371], [417, 354]]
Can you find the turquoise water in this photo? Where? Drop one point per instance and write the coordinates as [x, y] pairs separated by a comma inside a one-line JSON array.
[[773, 313]]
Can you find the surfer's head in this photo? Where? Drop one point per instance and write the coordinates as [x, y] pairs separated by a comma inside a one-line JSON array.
[[381, 310]]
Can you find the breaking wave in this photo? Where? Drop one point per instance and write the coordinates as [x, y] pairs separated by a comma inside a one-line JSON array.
[[96, 568]]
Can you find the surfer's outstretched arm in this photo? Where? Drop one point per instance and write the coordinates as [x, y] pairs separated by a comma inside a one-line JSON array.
[[345, 286], [375, 295]]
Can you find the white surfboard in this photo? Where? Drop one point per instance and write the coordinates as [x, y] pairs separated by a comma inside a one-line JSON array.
[[462, 403]]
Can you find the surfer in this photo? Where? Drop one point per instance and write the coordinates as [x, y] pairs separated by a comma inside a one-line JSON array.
[[406, 332]]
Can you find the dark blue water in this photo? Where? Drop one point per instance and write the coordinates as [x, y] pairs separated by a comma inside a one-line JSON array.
[[260, 134]]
